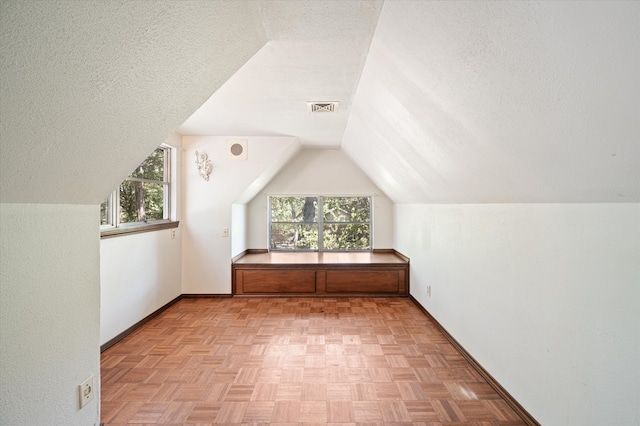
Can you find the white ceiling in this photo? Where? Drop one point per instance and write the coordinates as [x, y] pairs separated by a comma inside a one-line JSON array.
[[476, 102], [440, 102], [316, 53], [459, 102], [89, 88]]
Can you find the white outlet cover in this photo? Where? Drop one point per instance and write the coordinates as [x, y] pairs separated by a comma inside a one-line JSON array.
[[86, 391]]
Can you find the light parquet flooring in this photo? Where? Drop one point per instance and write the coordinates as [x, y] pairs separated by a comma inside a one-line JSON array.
[[294, 361]]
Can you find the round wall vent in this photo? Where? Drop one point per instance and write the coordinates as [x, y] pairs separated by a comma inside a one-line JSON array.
[[237, 149]]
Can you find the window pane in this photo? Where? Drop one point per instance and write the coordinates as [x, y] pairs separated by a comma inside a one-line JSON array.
[[294, 209], [141, 202], [346, 209], [294, 236], [343, 223], [152, 168], [154, 201], [104, 212], [352, 236]]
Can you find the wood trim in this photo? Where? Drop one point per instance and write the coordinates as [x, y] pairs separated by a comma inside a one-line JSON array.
[[319, 296], [387, 250], [392, 251], [137, 325], [510, 400], [246, 252], [238, 256], [137, 229], [205, 296]]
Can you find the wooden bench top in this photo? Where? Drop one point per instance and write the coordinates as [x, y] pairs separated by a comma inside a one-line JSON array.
[[380, 257]]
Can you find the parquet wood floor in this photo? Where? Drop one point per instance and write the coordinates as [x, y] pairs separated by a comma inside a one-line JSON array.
[[294, 361]]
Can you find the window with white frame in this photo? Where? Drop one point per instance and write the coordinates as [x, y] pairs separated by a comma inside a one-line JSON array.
[[319, 223], [144, 197]]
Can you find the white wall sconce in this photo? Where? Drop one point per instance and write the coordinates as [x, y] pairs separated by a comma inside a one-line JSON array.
[[204, 165]]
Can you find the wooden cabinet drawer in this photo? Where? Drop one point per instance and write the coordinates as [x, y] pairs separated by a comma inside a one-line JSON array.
[[277, 281], [359, 281]]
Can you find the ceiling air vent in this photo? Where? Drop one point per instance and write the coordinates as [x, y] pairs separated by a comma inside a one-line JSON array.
[[323, 106]]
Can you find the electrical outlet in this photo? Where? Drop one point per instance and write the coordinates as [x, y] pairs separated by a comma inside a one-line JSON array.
[[173, 234], [86, 391], [225, 232], [429, 290]]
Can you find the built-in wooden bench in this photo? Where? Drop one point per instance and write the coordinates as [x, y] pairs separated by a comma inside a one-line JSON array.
[[380, 272]]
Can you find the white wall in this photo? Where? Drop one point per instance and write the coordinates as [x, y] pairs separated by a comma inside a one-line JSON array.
[[49, 318], [140, 273], [208, 205], [544, 296], [322, 172], [239, 228]]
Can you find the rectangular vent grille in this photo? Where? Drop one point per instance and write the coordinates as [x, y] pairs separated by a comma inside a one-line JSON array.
[[322, 106]]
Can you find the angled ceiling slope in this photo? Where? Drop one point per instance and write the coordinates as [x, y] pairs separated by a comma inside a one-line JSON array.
[[316, 52], [476, 102], [88, 89]]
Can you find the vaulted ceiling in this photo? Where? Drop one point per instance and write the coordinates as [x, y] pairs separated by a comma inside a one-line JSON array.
[[475, 102], [316, 52], [440, 102]]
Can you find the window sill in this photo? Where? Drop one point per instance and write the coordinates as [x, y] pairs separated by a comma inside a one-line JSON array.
[[137, 229]]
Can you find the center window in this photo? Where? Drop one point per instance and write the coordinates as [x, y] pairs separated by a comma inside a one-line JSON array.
[[319, 223]]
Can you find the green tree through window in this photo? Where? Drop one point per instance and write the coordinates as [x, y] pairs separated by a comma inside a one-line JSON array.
[[142, 193], [143, 196], [319, 223]]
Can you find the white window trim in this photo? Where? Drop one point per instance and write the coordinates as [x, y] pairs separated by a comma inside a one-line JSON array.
[[116, 228]]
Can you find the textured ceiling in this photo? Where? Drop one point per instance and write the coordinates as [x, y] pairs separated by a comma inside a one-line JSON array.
[[475, 102], [440, 102], [316, 53], [89, 88]]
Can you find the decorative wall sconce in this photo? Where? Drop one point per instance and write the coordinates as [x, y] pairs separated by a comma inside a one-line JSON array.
[[204, 165]]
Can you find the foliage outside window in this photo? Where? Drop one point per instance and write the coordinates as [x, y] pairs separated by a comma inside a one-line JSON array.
[[143, 197], [317, 223]]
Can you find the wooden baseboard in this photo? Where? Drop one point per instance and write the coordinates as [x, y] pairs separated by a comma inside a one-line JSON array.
[[204, 296], [137, 325], [510, 400]]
